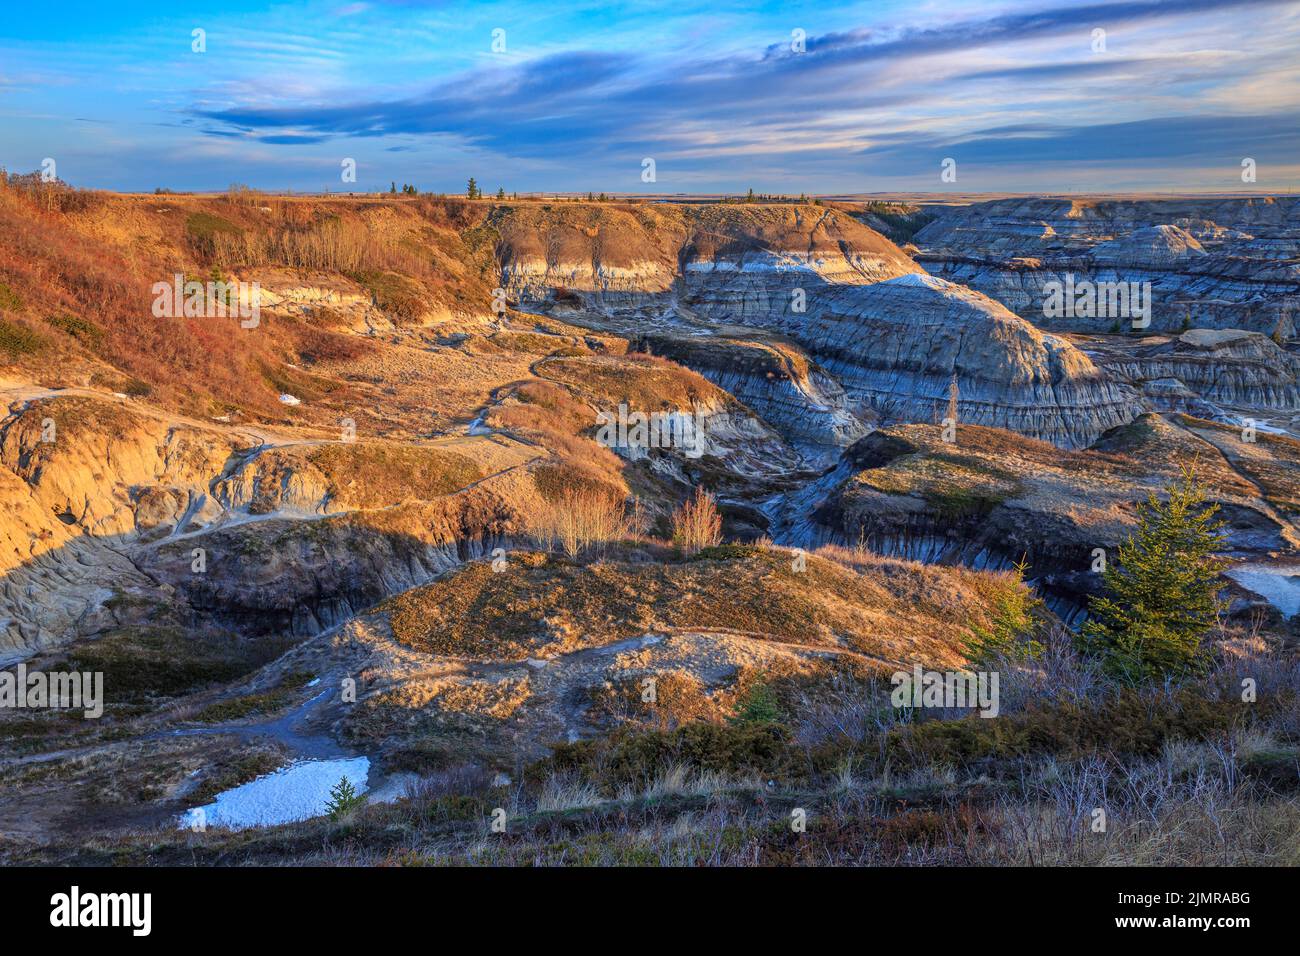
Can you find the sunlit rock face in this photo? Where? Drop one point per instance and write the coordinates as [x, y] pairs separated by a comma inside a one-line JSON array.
[[893, 339], [898, 346], [1212, 263]]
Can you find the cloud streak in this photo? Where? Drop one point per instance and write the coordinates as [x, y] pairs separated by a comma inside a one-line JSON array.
[[886, 98]]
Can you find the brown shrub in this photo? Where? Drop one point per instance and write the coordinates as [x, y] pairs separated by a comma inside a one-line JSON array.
[[581, 520], [697, 524]]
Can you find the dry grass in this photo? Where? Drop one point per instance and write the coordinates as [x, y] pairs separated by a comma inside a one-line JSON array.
[[371, 475], [85, 263], [645, 383], [898, 612]]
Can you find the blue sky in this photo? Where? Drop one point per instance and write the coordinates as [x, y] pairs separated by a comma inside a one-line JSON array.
[[1020, 94]]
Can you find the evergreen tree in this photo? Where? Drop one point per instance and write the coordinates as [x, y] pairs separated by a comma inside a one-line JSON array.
[[392, 188], [1012, 625], [471, 190], [1162, 595], [343, 799], [501, 192], [758, 706]]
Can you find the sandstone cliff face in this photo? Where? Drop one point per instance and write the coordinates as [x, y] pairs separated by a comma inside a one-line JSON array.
[[643, 256], [615, 252], [89, 463], [890, 336], [1213, 263], [81, 476]]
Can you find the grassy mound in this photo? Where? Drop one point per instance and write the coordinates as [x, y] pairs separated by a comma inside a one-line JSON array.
[[889, 609], [375, 476]]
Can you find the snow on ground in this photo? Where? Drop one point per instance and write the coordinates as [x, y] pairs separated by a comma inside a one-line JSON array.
[[1277, 584], [296, 792]]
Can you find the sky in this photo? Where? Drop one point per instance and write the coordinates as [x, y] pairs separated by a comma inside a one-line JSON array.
[[1025, 96]]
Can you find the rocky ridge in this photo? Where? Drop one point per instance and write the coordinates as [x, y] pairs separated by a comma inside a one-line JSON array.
[[892, 337], [1212, 263]]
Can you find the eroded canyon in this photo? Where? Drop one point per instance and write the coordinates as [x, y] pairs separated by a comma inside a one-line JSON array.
[[237, 524]]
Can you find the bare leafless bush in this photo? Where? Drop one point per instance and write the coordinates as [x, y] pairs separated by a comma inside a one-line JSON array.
[[849, 719], [579, 522], [697, 524], [1058, 671], [51, 195]]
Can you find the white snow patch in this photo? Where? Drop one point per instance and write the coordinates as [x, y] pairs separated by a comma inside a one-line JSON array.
[[287, 399], [1277, 584], [296, 792]]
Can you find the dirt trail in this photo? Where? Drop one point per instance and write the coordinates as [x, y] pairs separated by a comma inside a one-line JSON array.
[[289, 729]]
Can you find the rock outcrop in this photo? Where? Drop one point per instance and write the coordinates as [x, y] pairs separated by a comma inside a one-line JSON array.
[[300, 577], [1228, 367], [899, 345], [992, 498], [1212, 263], [894, 338], [116, 514], [778, 381]]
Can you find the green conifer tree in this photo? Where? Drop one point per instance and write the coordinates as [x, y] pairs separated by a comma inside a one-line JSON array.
[[343, 799], [1162, 595]]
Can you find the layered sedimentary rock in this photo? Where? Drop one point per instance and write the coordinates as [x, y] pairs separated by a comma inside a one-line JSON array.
[[1228, 367], [1154, 247], [619, 255], [1213, 263], [645, 256], [894, 338], [903, 346], [778, 381]]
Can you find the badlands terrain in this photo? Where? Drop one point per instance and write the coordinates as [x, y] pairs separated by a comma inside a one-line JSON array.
[[336, 541]]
